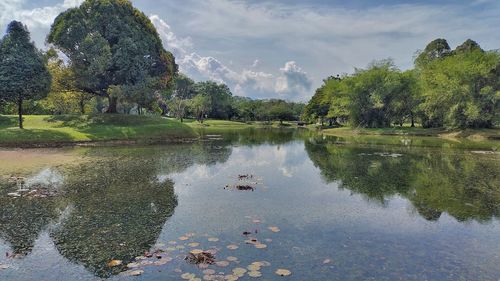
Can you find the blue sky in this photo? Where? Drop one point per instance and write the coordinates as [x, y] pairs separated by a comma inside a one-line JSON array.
[[284, 48]]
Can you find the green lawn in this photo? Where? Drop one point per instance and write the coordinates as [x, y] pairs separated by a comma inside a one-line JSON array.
[[471, 134], [44, 129]]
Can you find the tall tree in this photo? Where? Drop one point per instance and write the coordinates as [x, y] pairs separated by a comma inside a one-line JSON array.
[[23, 68], [110, 43]]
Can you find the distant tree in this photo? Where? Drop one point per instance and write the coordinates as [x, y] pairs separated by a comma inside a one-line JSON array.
[[178, 107], [436, 49], [184, 87], [200, 106], [23, 68], [220, 99], [110, 43]]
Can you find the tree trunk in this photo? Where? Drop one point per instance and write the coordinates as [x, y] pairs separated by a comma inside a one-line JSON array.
[[113, 101], [20, 112], [412, 121], [82, 106]]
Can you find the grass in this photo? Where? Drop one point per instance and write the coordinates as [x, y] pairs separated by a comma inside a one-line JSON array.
[[46, 130], [471, 134]]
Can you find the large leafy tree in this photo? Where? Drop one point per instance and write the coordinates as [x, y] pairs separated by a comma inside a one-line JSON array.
[[23, 68], [110, 43], [460, 91]]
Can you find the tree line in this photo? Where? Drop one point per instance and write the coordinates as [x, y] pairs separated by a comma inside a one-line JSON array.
[[457, 88], [106, 56]]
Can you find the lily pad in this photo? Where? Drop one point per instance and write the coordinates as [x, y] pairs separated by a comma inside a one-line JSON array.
[[132, 272], [232, 247], [274, 229], [114, 263], [255, 274], [283, 272]]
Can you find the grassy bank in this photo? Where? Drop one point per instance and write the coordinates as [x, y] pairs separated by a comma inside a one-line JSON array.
[[470, 134], [47, 130]]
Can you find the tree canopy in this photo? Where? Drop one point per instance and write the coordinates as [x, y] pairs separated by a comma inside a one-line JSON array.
[[448, 88], [110, 43], [23, 71]]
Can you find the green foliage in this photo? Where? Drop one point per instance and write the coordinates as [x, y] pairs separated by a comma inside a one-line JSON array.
[[64, 96], [110, 43], [461, 90], [452, 89], [23, 69]]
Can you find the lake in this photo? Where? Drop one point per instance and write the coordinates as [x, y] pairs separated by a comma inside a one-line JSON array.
[[322, 208]]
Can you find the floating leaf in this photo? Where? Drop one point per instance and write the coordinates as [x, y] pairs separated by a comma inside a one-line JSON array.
[[3, 266], [260, 246], [254, 274], [208, 271], [239, 271], [183, 238], [327, 261], [222, 263], [283, 272], [194, 244], [231, 277], [188, 276], [196, 251], [254, 267], [114, 263], [232, 247], [213, 239], [233, 259], [256, 221], [265, 263], [274, 229]]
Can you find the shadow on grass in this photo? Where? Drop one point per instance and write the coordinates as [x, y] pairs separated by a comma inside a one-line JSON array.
[[32, 136], [8, 121]]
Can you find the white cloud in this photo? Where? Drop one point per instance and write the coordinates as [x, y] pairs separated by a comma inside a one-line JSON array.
[[35, 18], [293, 80], [293, 83]]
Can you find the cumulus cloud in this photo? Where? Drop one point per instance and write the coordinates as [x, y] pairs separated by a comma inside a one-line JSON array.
[[35, 18], [292, 83], [293, 80]]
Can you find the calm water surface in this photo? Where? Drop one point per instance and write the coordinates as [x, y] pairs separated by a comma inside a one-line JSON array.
[[343, 211]]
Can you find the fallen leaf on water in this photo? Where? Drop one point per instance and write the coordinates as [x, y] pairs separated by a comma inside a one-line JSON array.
[[254, 267], [194, 244], [188, 276], [222, 263], [208, 271], [196, 251], [254, 274], [232, 247], [274, 229], [283, 272], [230, 258], [213, 239], [260, 246], [3, 266], [265, 263], [183, 238], [327, 261], [114, 263], [239, 271], [231, 277], [195, 279]]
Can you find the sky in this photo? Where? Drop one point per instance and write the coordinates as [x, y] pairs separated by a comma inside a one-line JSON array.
[[285, 48]]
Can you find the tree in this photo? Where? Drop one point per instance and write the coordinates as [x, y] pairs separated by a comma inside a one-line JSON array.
[[436, 49], [220, 99], [23, 70], [184, 87], [200, 105], [64, 96], [460, 91], [110, 43], [178, 107]]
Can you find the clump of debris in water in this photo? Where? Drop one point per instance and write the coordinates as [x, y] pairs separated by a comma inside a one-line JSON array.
[[244, 182], [30, 190]]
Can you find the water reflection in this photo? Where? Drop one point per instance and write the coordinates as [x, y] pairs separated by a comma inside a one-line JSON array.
[[460, 183], [117, 201]]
